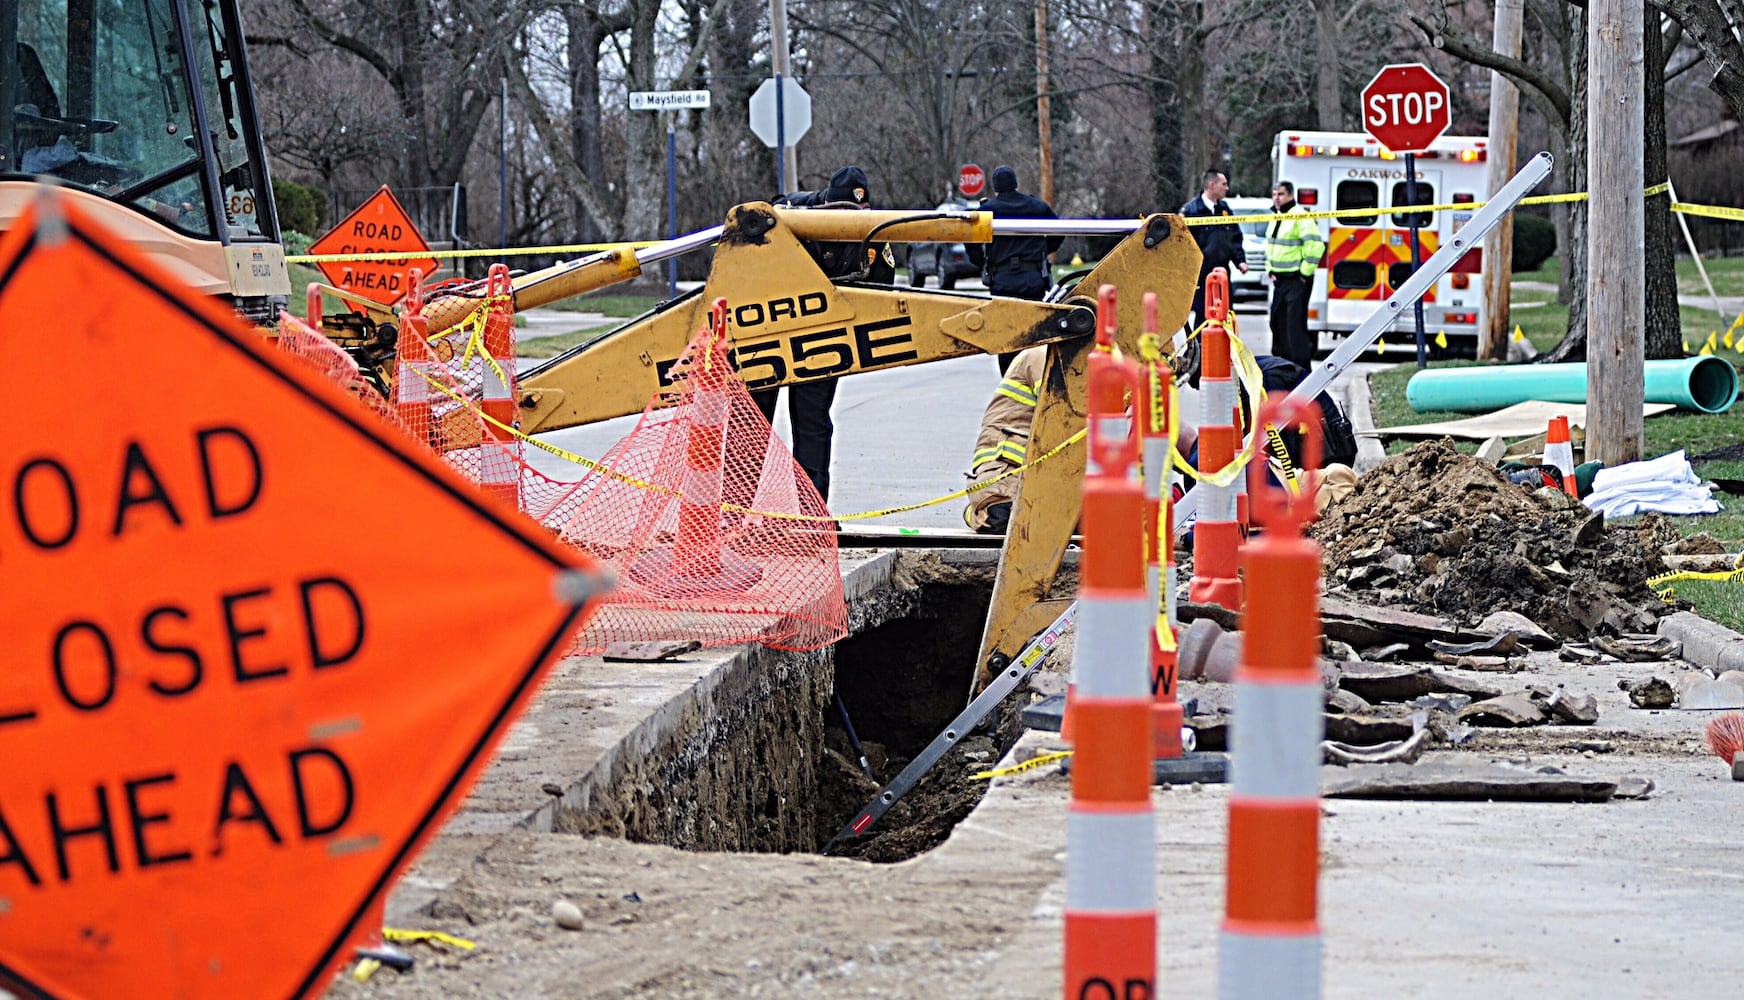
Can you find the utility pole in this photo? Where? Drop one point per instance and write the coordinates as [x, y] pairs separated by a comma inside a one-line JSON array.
[[778, 40], [1045, 153], [1616, 284], [1504, 129]]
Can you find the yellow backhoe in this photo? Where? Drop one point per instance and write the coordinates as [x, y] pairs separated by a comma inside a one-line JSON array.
[[172, 158]]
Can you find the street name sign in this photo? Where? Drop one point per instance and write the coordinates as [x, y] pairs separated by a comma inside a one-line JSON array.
[[668, 100]]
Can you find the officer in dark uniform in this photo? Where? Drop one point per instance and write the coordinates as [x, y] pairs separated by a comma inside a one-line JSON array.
[[808, 403], [1220, 244], [1015, 266]]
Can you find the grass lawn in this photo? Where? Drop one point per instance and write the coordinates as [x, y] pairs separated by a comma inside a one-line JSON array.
[[617, 305], [1727, 274], [1693, 432]]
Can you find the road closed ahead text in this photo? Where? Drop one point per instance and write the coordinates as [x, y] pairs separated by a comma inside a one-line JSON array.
[[164, 647]]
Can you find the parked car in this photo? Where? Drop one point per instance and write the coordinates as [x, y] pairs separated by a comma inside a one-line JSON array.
[[1251, 285], [946, 261]]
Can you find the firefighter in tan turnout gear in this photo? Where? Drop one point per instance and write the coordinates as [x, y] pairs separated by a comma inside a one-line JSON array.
[[1003, 441]]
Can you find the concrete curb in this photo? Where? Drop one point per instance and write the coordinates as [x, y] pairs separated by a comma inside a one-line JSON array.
[[1360, 411], [1705, 643]]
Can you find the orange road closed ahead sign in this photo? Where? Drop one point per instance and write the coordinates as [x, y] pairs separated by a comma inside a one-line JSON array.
[[379, 225], [229, 712]]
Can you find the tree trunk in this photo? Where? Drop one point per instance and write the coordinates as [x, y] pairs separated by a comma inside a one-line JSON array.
[[409, 90], [586, 35], [1328, 60], [644, 147], [1164, 43], [1663, 334], [1195, 151], [1573, 251]]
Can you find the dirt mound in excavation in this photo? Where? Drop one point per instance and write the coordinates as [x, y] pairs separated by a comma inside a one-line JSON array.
[[1444, 533]]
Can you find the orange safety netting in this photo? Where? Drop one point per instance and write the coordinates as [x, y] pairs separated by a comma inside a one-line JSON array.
[[714, 532], [696, 511]]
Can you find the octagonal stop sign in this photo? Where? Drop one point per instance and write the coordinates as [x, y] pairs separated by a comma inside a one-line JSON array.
[[970, 180], [1405, 107]]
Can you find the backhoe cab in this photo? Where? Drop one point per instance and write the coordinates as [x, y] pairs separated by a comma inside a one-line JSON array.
[[143, 112]]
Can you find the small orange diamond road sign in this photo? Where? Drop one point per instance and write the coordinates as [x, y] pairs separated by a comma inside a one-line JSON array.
[[379, 225], [229, 712]]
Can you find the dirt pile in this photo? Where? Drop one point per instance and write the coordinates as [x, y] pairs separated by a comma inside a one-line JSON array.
[[1444, 533]]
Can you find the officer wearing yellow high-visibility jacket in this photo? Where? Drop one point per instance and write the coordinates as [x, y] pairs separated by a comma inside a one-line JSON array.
[[1293, 250], [1003, 441]]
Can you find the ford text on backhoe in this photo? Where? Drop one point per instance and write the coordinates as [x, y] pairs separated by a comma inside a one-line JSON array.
[[1369, 256], [143, 113]]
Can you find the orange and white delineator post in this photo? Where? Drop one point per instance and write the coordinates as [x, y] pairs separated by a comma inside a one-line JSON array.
[[1217, 532], [1111, 919], [1156, 409], [1270, 942], [499, 472], [1107, 397]]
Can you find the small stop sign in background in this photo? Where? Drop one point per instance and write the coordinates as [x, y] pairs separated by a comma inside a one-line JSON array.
[[970, 180], [1405, 107]]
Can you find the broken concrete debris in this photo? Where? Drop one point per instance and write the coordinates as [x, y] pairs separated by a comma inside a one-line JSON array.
[[1441, 533]]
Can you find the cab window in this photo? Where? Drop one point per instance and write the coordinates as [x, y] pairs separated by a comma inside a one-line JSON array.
[[125, 132], [1357, 194], [1425, 196]]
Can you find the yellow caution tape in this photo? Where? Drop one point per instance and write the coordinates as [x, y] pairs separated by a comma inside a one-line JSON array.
[[1710, 211], [1665, 580], [1041, 760], [1462, 206], [315, 258], [412, 937], [628, 480]]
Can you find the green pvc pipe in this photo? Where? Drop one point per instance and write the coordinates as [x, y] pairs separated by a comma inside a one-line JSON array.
[[1703, 383]]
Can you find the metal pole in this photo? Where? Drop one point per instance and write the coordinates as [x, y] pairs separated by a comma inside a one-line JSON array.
[[1416, 248], [672, 205], [1044, 122], [780, 135], [503, 170], [778, 36]]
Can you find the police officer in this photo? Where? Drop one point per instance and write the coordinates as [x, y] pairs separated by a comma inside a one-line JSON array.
[[1293, 251], [1015, 266], [1219, 245], [808, 403]]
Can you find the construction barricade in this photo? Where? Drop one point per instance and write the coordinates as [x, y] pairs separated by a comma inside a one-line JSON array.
[[1217, 530], [1110, 919], [715, 532], [499, 459], [1270, 946]]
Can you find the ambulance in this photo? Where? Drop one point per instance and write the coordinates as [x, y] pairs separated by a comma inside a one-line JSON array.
[[1368, 256]]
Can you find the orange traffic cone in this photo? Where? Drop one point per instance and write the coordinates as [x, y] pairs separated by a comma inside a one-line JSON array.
[[1559, 452]]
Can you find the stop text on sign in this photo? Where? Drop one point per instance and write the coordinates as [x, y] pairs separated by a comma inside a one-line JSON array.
[[1404, 109]]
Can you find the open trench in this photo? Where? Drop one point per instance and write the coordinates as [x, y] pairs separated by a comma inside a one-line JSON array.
[[764, 762]]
